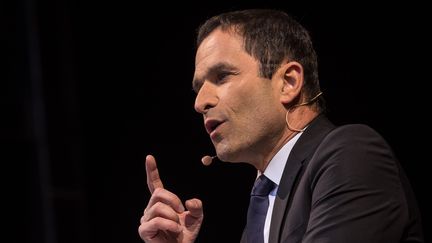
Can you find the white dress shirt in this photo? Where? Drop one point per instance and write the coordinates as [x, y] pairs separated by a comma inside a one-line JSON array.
[[274, 172]]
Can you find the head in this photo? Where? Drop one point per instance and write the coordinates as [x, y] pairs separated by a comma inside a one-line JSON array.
[[251, 66]]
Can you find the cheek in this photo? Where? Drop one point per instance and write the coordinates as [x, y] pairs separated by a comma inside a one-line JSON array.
[[250, 107], [257, 114], [264, 113]]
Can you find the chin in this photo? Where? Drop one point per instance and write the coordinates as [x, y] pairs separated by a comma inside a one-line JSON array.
[[229, 152], [224, 153], [229, 155]]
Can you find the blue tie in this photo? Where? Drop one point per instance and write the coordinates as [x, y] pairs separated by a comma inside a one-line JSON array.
[[257, 211]]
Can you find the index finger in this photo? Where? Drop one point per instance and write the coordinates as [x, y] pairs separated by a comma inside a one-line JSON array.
[[153, 179]]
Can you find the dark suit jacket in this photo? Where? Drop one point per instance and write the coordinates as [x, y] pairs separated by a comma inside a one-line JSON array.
[[343, 185]]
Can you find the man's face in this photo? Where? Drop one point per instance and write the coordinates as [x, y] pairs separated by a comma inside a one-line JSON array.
[[242, 112]]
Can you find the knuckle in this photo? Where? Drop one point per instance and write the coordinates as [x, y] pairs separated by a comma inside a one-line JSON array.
[[157, 192], [158, 205], [158, 221]]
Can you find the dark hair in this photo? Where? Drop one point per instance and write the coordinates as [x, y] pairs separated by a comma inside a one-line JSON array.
[[271, 36]]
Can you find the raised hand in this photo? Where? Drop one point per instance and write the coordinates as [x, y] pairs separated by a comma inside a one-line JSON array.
[[165, 218]]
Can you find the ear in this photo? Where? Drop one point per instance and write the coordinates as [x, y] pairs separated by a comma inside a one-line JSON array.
[[290, 79]]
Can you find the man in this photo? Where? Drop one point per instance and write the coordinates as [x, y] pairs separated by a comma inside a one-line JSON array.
[[257, 88]]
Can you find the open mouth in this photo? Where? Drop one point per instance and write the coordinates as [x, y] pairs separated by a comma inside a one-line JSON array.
[[211, 125]]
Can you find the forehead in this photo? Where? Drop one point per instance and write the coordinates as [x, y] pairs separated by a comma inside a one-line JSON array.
[[221, 46], [219, 42]]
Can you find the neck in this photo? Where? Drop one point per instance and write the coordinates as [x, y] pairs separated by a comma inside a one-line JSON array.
[[300, 117]]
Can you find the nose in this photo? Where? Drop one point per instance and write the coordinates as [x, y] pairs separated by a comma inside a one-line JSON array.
[[206, 98]]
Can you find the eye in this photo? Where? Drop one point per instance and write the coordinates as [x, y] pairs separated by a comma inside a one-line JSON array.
[[221, 77]]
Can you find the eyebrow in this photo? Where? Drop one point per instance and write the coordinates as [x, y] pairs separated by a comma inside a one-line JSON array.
[[197, 82]]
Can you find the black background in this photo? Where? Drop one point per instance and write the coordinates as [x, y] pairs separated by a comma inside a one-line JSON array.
[[92, 87]]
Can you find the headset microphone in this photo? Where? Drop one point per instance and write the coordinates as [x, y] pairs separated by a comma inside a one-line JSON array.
[[207, 160]]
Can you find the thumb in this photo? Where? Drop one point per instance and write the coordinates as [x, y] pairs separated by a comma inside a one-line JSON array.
[[195, 207]]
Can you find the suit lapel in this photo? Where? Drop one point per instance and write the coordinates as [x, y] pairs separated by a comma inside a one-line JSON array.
[[301, 152], [281, 200]]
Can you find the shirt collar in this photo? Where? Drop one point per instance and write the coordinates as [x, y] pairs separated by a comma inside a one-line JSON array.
[[277, 164]]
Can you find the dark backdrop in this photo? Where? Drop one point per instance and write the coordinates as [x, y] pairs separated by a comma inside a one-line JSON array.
[[93, 86]]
